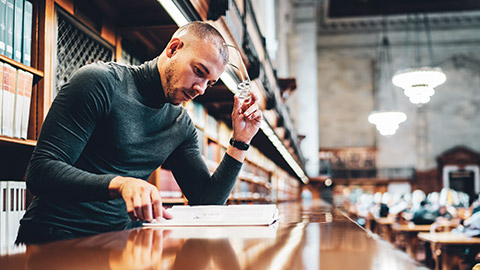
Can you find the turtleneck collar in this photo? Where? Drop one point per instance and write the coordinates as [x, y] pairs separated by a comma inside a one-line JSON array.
[[147, 79]]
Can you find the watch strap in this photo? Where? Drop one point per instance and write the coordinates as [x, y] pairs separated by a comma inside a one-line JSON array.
[[239, 144]]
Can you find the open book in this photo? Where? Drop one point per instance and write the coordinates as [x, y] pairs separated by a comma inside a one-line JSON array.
[[219, 215]]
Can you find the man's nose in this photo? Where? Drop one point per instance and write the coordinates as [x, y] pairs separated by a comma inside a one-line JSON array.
[[200, 87]]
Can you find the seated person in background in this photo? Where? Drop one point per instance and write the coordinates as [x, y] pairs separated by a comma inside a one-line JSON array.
[[442, 212], [423, 215]]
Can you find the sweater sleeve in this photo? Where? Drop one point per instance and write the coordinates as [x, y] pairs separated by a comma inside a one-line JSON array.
[[194, 178], [66, 130]]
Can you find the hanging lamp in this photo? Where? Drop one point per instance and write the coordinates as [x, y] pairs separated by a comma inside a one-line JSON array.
[[386, 118], [418, 81]]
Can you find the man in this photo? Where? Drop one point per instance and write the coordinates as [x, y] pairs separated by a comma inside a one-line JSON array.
[[112, 125]]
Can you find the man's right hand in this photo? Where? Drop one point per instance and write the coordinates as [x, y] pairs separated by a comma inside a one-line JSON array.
[[141, 198]]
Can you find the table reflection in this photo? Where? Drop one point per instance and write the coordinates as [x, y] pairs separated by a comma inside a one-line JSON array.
[[307, 237], [206, 254], [134, 249]]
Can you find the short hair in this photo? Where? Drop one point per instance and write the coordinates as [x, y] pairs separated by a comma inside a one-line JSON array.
[[203, 30]]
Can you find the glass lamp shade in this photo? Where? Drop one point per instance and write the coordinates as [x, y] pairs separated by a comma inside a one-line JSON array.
[[418, 83], [387, 122]]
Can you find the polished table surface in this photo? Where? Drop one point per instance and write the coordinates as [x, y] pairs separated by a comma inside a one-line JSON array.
[[306, 237]]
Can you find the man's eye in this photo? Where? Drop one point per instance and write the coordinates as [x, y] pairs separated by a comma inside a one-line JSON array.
[[198, 71]]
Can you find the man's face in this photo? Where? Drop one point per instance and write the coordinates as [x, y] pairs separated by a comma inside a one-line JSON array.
[[190, 70]]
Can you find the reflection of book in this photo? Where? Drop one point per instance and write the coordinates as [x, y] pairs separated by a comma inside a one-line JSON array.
[[219, 232], [220, 215]]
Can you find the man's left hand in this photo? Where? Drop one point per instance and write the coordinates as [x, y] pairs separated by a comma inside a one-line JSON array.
[[246, 118]]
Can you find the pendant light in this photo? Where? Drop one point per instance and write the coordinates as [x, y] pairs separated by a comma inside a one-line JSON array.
[[418, 80], [386, 118]]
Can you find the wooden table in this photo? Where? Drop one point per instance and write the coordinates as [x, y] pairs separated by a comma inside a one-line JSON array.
[[409, 232], [383, 227], [316, 237], [448, 248]]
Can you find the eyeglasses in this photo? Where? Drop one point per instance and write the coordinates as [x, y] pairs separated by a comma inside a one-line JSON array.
[[245, 86]]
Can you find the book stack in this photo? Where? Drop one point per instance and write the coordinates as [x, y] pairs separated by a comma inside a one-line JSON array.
[[168, 185], [16, 30], [15, 96], [12, 209]]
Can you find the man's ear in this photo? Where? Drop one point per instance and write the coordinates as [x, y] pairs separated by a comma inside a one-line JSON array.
[[173, 46]]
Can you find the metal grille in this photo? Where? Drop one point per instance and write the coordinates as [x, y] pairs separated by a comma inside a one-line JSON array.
[[75, 48], [128, 57]]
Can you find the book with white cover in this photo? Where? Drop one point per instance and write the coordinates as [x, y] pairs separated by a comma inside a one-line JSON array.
[[18, 105], [219, 215], [8, 99], [27, 96], [3, 217]]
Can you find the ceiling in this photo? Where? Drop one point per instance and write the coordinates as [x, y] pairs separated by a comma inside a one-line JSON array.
[[358, 8]]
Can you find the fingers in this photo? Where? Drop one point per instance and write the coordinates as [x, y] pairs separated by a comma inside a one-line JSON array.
[[147, 204], [142, 200], [166, 214], [130, 209], [157, 205], [236, 105], [253, 112]]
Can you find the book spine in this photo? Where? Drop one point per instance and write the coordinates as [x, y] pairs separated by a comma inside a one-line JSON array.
[[10, 214], [3, 217], [3, 7], [27, 33], [27, 97], [1, 93], [18, 30], [9, 13], [9, 74], [168, 185], [17, 116]]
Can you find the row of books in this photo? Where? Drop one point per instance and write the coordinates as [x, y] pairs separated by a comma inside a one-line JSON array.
[[16, 30], [12, 209], [168, 185], [15, 96]]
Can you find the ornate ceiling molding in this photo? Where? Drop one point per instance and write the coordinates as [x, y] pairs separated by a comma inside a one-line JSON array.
[[438, 21]]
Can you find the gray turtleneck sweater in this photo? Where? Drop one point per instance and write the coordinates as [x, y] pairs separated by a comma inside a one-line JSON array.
[[111, 120]]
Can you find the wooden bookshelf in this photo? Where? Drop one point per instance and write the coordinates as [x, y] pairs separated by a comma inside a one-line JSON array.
[[37, 73], [8, 141]]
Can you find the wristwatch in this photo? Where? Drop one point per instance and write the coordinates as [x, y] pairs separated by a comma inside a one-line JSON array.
[[239, 145]]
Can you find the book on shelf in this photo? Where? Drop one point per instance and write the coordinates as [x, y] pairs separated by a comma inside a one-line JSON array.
[[9, 14], [27, 33], [3, 6], [27, 97], [8, 99], [1, 95], [18, 105], [168, 185], [219, 215], [13, 206], [199, 114], [200, 140], [211, 127], [18, 30], [3, 216], [211, 155], [224, 134]]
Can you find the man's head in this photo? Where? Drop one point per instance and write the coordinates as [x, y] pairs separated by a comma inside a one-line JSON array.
[[194, 59]]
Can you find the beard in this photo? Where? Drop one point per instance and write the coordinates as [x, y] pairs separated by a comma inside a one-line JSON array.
[[170, 81]]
